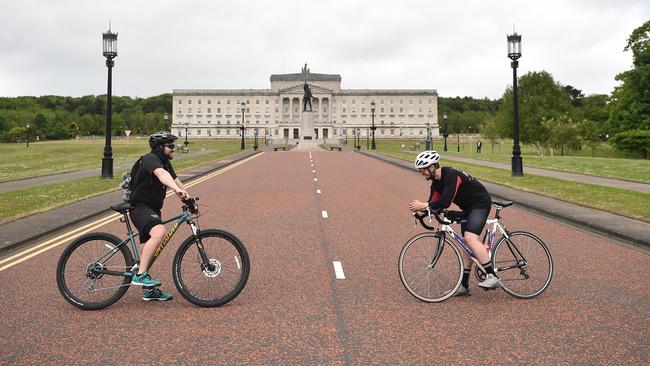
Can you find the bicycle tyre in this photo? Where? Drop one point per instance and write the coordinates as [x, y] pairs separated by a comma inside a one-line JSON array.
[[527, 282], [79, 256], [226, 253], [430, 284]]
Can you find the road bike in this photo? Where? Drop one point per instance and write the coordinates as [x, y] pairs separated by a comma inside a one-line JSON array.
[[431, 267], [210, 267]]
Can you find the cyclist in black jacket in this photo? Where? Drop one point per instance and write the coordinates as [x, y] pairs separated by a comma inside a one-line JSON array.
[[452, 185], [154, 176]]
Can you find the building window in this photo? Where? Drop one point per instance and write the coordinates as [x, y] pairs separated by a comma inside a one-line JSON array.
[[198, 132], [189, 110], [227, 132], [219, 110], [228, 101], [189, 101], [199, 102], [218, 132], [180, 101], [209, 101], [209, 110]]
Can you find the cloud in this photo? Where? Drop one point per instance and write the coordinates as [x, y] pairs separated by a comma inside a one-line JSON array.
[[458, 48]]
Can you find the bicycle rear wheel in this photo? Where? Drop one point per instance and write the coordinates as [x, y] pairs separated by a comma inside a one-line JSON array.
[[81, 273], [213, 272], [524, 264], [425, 276]]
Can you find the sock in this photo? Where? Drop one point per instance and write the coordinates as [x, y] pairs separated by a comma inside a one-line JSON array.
[[465, 281], [488, 268]]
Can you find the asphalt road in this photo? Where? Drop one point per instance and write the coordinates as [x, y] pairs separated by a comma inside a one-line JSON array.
[[295, 311]]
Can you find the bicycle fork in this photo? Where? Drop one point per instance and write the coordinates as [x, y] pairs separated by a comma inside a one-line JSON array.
[[439, 248]]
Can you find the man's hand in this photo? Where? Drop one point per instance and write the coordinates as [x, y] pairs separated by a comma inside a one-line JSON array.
[[416, 205], [182, 194]]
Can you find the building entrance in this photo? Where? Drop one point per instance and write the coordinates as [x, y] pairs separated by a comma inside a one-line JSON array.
[[296, 133]]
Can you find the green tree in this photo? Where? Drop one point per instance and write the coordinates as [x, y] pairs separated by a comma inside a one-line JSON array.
[[633, 141], [630, 103], [17, 134], [540, 98], [564, 132], [59, 132], [490, 130]]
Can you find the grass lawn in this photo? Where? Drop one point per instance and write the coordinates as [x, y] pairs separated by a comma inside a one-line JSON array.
[[636, 170], [621, 201], [24, 202], [44, 158]]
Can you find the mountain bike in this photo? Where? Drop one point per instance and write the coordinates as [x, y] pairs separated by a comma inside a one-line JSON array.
[[210, 267], [431, 267]]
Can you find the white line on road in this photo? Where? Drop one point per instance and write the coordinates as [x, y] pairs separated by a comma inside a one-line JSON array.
[[324, 214], [310, 154], [338, 269], [315, 179], [313, 171]]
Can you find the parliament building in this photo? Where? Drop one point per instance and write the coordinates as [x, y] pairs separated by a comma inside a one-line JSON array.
[[277, 113]]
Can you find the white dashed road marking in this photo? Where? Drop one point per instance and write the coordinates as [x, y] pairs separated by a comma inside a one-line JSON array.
[[324, 214], [318, 191], [338, 270]]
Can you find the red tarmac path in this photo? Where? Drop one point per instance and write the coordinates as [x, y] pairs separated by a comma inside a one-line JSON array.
[[294, 310]]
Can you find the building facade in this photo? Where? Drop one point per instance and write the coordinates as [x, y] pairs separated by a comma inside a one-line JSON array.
[[276, 113]]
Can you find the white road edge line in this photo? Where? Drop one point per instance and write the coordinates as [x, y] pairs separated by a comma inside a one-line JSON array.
[[338, 270]]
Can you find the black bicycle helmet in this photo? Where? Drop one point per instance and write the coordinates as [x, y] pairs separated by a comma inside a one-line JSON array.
[[160, 138]]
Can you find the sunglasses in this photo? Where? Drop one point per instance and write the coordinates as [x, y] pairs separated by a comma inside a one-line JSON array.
[[170, 146]]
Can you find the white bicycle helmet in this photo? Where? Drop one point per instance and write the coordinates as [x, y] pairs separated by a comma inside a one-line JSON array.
[[426, 159]]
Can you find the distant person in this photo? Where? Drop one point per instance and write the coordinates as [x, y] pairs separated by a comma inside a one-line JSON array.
[[479, 144], [450, 185], [151, 181]]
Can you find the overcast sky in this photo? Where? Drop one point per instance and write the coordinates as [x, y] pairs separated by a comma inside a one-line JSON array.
[[456, 47]]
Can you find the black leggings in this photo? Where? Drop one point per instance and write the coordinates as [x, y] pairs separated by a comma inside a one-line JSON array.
[[475, 221]]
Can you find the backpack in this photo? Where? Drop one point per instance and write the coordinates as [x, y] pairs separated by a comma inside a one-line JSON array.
[[128, 181]]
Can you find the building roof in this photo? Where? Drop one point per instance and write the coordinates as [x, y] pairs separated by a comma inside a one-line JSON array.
[[303, 76]]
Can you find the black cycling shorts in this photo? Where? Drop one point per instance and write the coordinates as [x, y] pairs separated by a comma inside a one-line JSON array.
[[145, 218], [475, 221]]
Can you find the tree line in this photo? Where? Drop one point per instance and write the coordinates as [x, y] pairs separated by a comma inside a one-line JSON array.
[[58, 117]]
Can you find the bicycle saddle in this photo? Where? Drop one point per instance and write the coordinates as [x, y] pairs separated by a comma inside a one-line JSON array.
[[502, 203], [122, 208]]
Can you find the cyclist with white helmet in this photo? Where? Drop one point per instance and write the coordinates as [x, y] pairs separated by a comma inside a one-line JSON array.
[[151, 181], [450, 185]]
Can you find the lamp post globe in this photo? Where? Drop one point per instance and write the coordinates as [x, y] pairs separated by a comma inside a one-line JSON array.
[[110, 52], [514, 53], [373, 128], [242, 128], [445, 134]]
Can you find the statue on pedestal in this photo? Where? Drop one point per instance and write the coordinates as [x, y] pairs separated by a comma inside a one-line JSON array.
[[306, 98]]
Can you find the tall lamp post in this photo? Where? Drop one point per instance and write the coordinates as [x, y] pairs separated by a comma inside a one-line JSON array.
[[256, 132], [514, 53], [445, 134], [458, 132], [427, 141], [187, 126], [27, 133], [110, 52], [242, 128], [165, 118], [373, 128]]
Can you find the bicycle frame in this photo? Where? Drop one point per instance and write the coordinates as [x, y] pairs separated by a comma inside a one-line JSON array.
[[184, 217]]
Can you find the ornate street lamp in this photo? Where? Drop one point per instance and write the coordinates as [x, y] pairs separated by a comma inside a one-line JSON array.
[[458, 132], [514, 53], [187, 126], [110, 52], [427, 141], [256, 133], [242, 128], [373, 128], [165, 118], [445, 134], [27, 133]]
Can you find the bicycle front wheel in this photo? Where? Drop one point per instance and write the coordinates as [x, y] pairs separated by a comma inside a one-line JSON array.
[[429, 273], [213, 270], [91, 271], [524, 264]]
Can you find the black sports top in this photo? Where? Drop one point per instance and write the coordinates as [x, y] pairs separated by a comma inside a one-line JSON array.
[[149, 190], [460, 188]]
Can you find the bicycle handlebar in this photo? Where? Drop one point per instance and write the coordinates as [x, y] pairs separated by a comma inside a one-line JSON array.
[[190, 205], [443, 216]]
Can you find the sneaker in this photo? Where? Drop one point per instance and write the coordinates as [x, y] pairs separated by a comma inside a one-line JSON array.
[[144, 280], [462, 291], [156, 294], [491, 281]]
